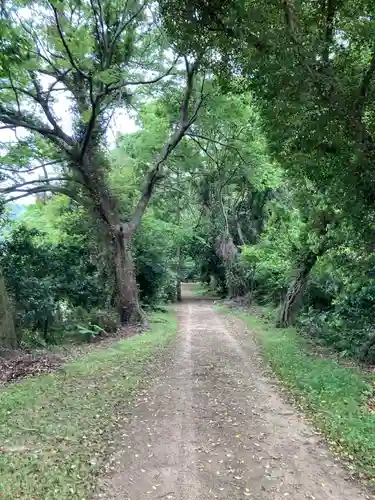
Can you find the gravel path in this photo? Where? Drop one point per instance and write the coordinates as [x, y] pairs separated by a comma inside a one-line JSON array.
[[212, 424]]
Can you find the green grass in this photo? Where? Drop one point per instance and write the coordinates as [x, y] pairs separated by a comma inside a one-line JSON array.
[[334, 396], [55, 430]]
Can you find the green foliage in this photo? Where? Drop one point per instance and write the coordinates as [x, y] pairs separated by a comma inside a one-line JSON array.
[[269, 272], [310, 70], [52, 266], [345, 324], [59, 425], [270, 262], [278, 162], [43, 278], [90, 331], [155, 255], [300, 81]]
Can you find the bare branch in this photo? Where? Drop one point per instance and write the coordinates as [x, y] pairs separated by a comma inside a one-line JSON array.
[[48, 189], [43, 101], [28, 170], [96, 16], [18, 91], [205, 150], [154, 80], [59, 78], [101, 19], [110, 88], [193, 135], [15, 91], [21, 185], [13, 119]]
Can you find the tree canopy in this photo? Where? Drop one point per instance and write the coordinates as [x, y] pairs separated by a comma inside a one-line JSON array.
[[249, 164]]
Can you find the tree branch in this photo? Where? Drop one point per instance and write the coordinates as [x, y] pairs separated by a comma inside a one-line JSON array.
[[19, 186], [96, 24], [28, 170], [12, 118], [364, 89], [184, 123], [124, 24], [15, 91], [64, 42], [230, 32], [214, 141], [43, 102], [203, 149], [119, 86], [329, 26], [45, 189], [290, 21]]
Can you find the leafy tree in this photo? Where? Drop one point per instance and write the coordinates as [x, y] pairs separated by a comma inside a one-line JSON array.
[[237, 182], [310, 68], [91, 53]]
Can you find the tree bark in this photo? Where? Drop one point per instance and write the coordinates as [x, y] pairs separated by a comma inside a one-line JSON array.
[[8, 336], [179, 256], [293, 297], [125, 280], [178, 281]]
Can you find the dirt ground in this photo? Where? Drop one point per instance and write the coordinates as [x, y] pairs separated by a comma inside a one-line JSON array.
[[212, 424]]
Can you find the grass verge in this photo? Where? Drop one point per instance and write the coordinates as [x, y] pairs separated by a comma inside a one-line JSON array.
[[55, 430], [335, 397]]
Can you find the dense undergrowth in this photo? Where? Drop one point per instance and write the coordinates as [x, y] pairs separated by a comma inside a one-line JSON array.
[[56, 429], [337, 399]]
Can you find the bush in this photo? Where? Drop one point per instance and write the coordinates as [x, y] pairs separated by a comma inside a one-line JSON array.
[[32, 339], [321, 292], [82, 325], [41, 276], [108, 321], [332, 330]]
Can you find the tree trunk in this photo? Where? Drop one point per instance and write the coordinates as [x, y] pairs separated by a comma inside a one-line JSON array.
[[126, 285], [178, 284], [179, 259], [8, 337], [293, 297]]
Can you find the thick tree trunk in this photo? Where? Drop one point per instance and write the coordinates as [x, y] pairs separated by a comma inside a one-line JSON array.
[[126, 284], [293, 297], [8, 337], [292, 302]]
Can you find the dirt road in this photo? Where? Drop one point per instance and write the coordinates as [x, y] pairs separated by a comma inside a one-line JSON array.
[[212, 424]]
